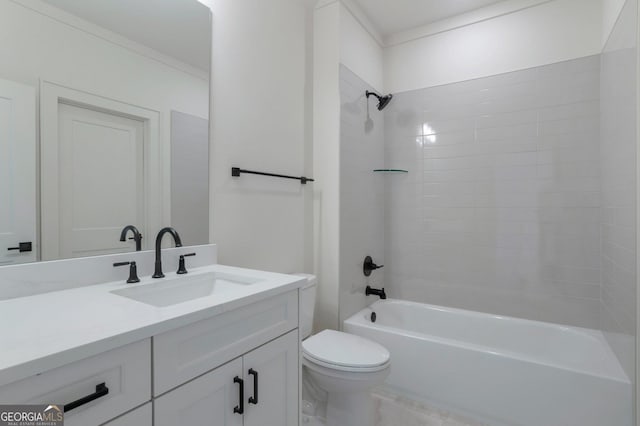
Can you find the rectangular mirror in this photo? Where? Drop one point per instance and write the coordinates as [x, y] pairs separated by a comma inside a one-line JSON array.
[[104, 120]]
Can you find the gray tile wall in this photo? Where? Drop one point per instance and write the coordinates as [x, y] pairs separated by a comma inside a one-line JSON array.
[[618, 159], [361, 191], [500, 211]]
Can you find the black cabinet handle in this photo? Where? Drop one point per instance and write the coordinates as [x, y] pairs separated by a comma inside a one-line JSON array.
[[101, 390], [254, 399], [239, 408], [22, 247]]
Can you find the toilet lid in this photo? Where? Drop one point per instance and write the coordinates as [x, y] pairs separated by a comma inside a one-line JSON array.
[[345, 350]]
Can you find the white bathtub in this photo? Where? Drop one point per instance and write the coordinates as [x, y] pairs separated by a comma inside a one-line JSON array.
[[500, 370]]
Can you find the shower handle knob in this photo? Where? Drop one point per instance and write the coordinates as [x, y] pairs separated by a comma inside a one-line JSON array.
[[368, 266]]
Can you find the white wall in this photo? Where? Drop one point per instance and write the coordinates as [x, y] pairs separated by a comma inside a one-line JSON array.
[[539, 35], [259, 78], [326, 162], [37, 44], [610, 12], [637, 348], [339, 38], [359, 49]]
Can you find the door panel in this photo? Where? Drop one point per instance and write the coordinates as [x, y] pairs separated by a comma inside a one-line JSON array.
[[101, 180], [276, 365], [206, 401], [139, 417], [17, 172]]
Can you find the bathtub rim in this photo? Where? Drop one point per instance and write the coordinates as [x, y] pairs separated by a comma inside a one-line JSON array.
[[359, 320]]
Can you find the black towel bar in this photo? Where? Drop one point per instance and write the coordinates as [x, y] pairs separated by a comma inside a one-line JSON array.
[[236, 171]]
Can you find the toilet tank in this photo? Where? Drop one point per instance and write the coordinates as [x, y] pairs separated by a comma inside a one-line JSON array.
[[307, 304]]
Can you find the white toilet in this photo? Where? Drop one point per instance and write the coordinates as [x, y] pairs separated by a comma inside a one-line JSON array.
[[343, 365]]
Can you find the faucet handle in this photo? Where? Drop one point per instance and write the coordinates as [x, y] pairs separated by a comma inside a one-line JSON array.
[[133, 271], [368, 266], [181, 264]]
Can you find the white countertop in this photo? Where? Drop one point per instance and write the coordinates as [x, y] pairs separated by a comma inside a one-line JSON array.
[[45, 331]]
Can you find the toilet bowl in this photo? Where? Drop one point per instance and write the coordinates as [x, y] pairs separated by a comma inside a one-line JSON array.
[[341, 362], [345, 366]]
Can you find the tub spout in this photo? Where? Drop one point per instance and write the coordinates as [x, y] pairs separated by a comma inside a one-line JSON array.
[[380, 293]]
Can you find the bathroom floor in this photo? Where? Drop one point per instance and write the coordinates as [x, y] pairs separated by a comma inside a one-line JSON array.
[[396, 410]]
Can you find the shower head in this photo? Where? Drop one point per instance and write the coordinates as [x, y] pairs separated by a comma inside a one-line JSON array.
[[383, 101]]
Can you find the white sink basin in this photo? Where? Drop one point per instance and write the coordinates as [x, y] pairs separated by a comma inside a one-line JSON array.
[[171, 291]]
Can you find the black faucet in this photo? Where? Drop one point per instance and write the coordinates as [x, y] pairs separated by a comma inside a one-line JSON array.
[[380, 293], [176, 238], [137, 236]]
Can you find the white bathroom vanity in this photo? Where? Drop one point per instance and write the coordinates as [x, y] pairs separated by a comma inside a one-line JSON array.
[[218, 343]]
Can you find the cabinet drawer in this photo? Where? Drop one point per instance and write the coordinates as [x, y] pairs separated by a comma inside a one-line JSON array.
[[185, 353], [125, 372]]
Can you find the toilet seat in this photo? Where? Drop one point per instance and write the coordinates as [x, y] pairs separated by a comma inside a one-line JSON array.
[[345, 352]]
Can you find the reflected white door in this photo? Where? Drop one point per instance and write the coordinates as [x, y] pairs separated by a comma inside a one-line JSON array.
[[101, 177], [17, 172]]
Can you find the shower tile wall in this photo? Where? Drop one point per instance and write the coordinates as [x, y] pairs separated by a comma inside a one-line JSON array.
[[361, 191], [500, 210], [618, 153]]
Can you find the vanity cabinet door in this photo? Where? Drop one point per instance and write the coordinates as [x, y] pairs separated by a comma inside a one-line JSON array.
[[139, 417], [274, 368], [206, 401]]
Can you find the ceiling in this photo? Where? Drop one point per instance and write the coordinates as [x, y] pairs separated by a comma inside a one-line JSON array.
[[177, 28], [393, 16]]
